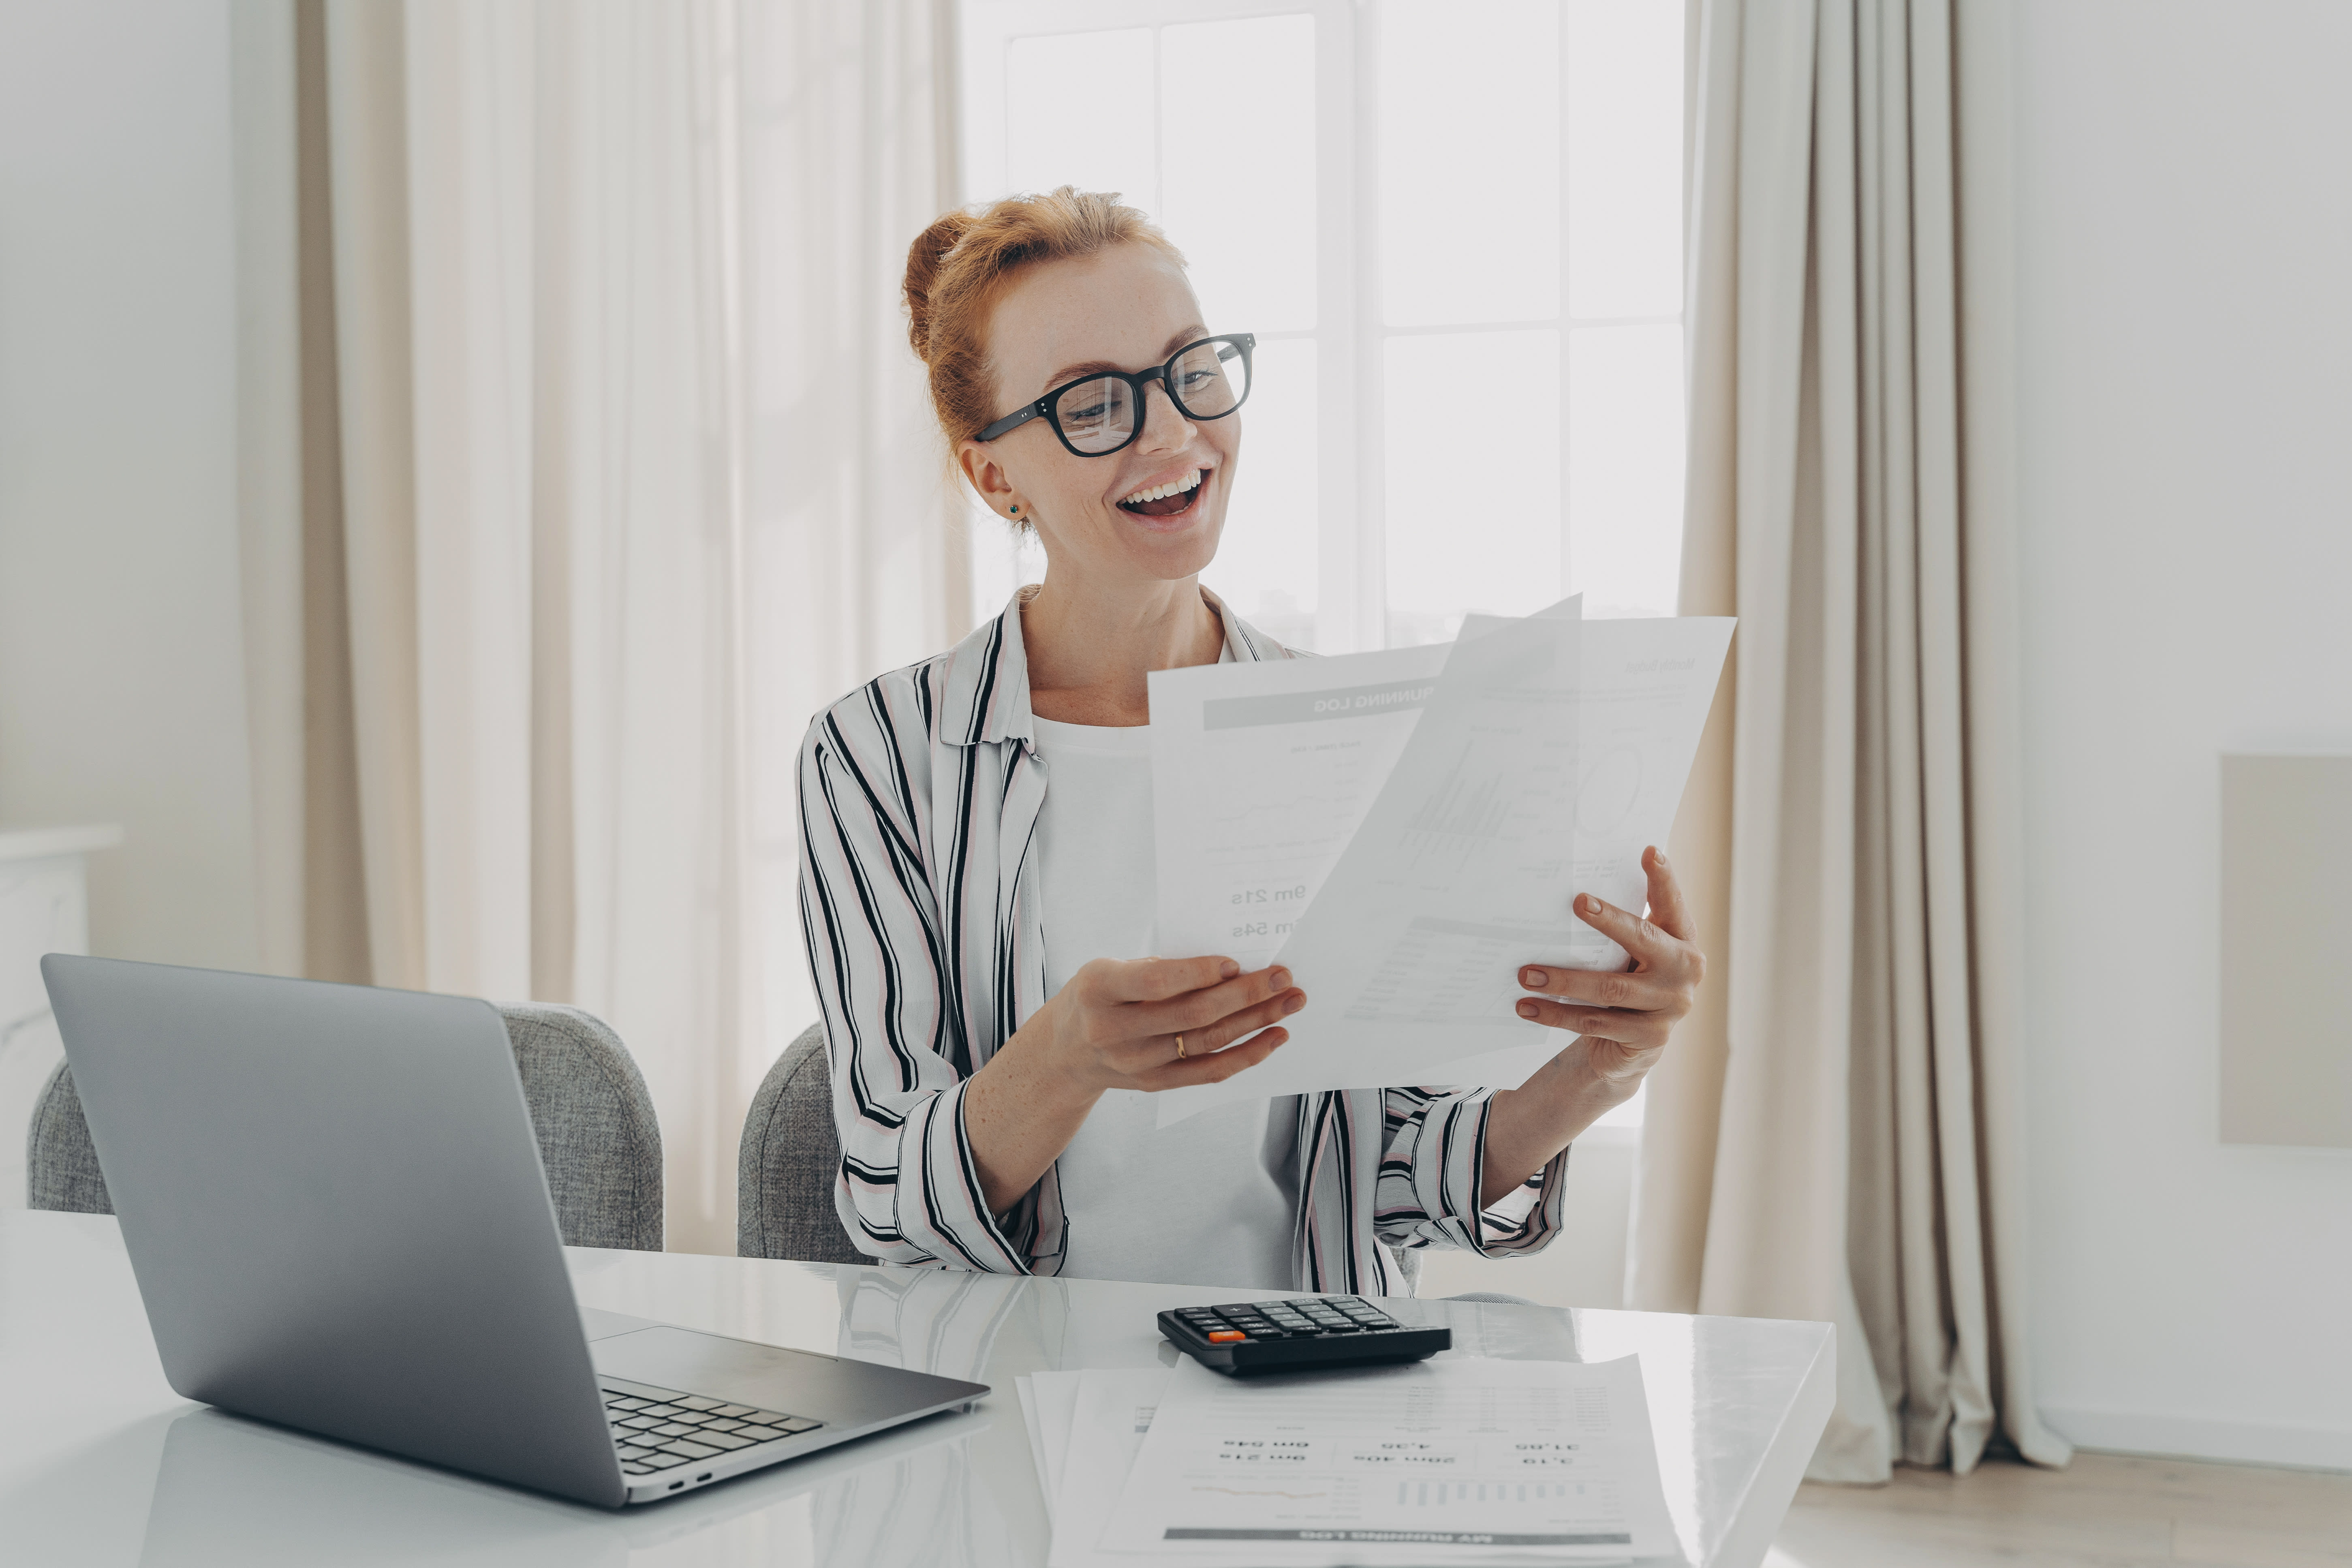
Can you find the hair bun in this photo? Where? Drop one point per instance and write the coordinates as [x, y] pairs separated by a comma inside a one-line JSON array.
[[923, 258]]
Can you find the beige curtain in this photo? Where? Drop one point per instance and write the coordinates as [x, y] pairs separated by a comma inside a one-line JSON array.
[[547, 722], [1837, 1132]]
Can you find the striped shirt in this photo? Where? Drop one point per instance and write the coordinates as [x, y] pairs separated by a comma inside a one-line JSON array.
[[920, 794]]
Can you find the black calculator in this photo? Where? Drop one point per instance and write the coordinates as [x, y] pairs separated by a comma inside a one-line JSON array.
[[1294, 1333]]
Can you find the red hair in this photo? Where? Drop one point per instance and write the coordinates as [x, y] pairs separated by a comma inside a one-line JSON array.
[[957, 269]]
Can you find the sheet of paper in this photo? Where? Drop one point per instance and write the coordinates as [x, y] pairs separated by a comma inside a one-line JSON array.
[[1036, 1442], [1450, 1460], [1645, 686], [1056, 1395], [1115, 1410], [1260, 774], [1459, 870]]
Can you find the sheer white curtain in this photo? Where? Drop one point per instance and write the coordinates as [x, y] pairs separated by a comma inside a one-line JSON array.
[[622, 473], [1837, 1133]]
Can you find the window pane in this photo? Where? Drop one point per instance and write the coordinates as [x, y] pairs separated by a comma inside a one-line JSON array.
[[1474, 508], [1626, 468], [1266, 560], [1625, 158], [1237, 167], [1075, 115], [1469, 150]]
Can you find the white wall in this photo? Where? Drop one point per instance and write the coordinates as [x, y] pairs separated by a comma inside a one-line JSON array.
[[2185, 276], [121, 663]]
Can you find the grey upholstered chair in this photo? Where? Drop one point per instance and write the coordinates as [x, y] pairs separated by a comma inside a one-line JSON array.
[[597, 1135], [784, 1171]]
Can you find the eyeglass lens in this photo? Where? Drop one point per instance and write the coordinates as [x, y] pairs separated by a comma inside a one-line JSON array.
[[1208, 380]]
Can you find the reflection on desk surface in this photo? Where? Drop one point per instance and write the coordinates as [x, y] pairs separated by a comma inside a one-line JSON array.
[[233, 1491]]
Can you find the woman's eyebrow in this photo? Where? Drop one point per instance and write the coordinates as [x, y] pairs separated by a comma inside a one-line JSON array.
[[1090, 367]]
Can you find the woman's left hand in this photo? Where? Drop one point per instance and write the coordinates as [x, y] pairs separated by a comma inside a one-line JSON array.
[[1625, 1015]]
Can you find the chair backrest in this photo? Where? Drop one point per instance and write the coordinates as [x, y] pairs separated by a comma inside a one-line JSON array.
[[597, 1135], [790, 1158]]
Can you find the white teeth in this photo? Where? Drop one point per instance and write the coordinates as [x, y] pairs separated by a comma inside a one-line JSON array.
[[1155, 493]]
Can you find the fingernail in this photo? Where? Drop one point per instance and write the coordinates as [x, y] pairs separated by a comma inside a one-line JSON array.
[[1228, 969], [1527, 1009], [1589, 904], [1531, 977], [1659, 855], [1281, 979], [1282, 1037], [1295, 1004]]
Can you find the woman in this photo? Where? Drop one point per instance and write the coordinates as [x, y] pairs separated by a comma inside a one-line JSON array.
[[976, 875]]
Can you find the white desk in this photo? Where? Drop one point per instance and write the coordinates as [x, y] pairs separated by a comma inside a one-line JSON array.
[[102, 1463]]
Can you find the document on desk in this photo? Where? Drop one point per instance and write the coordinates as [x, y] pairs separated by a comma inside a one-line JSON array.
[[1047, 1399], [1405, 829], [1113, 1410], [1450, 1460]]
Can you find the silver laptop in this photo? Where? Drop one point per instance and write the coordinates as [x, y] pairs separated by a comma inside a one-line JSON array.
[[332, 1199]]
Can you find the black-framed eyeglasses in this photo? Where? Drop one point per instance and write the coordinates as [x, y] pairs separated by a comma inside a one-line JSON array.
[[1102, 413]]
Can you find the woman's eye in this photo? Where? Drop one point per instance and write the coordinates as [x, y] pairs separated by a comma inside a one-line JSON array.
[[1092, 414]]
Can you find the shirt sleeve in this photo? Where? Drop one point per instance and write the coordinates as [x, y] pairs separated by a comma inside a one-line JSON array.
[[909, 1189], [1431, 1160]]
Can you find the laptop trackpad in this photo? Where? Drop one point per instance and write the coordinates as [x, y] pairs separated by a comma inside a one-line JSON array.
[[796, 1382]]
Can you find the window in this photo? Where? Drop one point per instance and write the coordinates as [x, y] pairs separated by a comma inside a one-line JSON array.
[[1456, 231]]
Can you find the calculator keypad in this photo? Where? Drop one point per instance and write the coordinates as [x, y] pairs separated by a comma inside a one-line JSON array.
[[1299, 1319]]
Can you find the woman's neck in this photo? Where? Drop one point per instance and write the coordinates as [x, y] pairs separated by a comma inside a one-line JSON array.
[[1090, 652]]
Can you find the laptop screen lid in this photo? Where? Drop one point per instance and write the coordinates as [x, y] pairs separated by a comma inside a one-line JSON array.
[[333, 1204]]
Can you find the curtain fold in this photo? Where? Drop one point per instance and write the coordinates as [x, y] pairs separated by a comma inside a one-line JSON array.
[[549, 228], [1837, 1134]]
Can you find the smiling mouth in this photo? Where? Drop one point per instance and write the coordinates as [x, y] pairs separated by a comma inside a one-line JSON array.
[[1165, 500]]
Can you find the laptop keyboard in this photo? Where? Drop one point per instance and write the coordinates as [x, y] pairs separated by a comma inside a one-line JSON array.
[[657, 1432]]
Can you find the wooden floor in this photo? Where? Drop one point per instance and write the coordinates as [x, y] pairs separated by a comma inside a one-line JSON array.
[[2101, 1512]]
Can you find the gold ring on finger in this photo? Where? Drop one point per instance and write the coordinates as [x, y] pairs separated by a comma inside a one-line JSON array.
[[1179, 1048]]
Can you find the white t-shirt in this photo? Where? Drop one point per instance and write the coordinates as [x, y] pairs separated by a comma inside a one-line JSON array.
[[1213, 1200]]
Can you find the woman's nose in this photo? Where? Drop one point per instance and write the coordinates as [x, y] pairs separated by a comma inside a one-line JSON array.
[[1165, 429]]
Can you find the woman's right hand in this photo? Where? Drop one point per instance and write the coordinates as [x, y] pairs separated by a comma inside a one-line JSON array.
[[1114, 1026], [1117, 1023]]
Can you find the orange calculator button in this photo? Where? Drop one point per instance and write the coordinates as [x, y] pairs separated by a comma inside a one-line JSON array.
[[1227, 1336]]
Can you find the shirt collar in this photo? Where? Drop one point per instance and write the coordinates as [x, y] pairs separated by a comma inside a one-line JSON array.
[[987, 684]]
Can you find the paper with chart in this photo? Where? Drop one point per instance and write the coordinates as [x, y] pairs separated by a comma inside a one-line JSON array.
[[1526, 762], [1454, 1460]]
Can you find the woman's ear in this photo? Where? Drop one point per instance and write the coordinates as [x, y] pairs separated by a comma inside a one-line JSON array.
[[990, 481]]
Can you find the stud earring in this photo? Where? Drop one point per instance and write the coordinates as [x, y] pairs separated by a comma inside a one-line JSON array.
[[1015, 509]]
